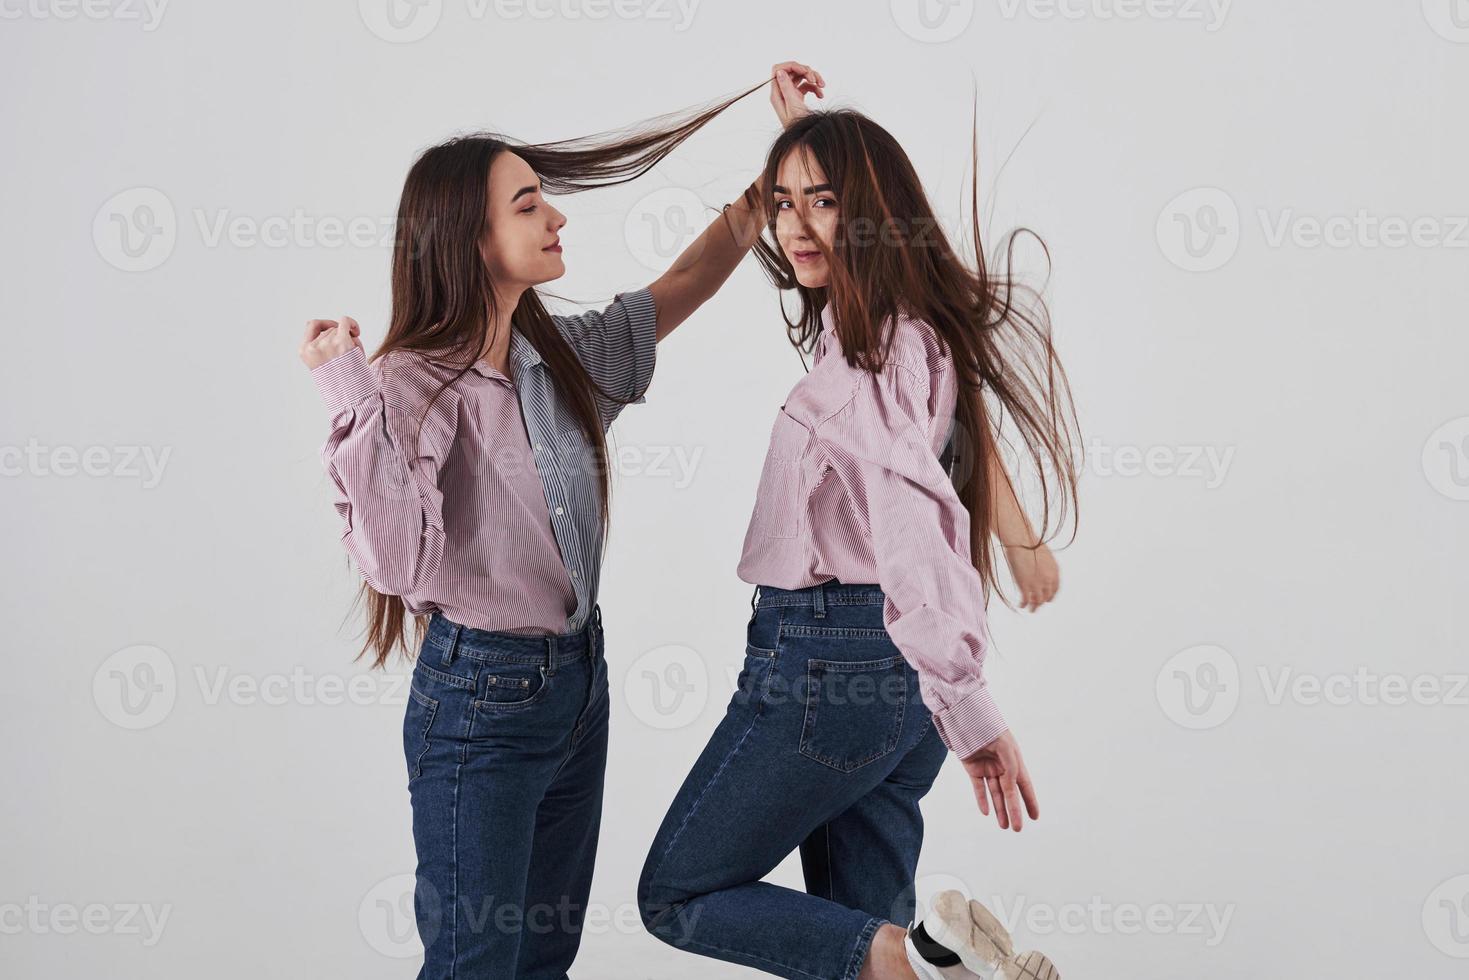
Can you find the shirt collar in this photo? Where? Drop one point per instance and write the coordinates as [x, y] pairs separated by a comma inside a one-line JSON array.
[[522, 352]]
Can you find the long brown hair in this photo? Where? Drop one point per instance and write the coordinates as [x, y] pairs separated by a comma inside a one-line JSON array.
[[889, 255], [444, 300]]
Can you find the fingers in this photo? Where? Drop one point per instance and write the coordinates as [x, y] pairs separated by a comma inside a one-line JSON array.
[[797, 68], [1027, 793], [315, 328], [997, 795], [1013, 803], [326, 338], [981, 795], [806, 78], [1033, 596], [788, 89]]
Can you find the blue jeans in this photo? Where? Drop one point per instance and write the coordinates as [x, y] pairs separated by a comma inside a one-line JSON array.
[[826, 745], [505, 738]]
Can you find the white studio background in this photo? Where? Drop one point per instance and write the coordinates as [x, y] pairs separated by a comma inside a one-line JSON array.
[[1246, 711]]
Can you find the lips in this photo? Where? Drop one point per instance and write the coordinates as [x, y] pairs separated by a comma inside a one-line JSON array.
[[553, 247], [805, 256]]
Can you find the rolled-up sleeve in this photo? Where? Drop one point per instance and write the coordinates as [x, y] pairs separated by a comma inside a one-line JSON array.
[[387, 497], [934, 609], [618, 347]]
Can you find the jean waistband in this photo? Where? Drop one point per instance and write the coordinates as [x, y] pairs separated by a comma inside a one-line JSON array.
[[450, 640], [829, 593]]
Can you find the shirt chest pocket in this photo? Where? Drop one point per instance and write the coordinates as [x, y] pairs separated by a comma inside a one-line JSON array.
[[781, 498]]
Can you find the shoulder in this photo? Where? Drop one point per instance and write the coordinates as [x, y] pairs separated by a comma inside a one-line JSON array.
[[412, 378], [635, 305], [916, 348]]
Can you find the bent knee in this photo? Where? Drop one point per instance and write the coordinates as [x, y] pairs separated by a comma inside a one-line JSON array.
[[664, 909]]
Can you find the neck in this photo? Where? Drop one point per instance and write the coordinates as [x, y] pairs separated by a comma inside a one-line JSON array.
[[497, 338]]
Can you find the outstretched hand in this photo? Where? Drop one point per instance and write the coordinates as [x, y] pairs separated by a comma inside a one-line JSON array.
[[1001, 779]]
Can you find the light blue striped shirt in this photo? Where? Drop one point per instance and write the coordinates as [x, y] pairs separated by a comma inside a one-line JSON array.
[[618, 348]]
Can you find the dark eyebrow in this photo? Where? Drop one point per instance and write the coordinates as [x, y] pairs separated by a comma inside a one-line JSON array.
[[810, 190], [522, 192]]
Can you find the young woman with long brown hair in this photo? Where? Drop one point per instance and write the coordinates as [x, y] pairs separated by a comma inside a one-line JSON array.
[[471, 475], [871, 549]]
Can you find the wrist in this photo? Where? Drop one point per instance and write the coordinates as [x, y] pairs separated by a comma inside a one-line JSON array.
[[345, 379], [1018, 537], [971, 723], [744, 217]]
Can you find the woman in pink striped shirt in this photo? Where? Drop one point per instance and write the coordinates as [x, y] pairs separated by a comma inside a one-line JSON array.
[[871, 548], [469, 465]]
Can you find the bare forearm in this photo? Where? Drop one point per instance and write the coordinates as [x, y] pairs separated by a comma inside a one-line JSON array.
[[1008, 518], [706, 264]]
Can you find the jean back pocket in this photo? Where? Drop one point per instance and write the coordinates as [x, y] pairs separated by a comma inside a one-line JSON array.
[[854, 710]]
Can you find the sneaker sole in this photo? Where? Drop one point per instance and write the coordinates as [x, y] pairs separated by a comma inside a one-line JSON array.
[[983, 945]]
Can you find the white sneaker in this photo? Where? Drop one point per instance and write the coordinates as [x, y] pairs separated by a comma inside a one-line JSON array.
[[962, 940]]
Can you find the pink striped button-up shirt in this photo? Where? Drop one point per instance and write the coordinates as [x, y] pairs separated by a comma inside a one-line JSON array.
[[490, 512], [852, 489]]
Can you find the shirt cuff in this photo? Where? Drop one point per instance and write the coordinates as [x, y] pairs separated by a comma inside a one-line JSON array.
[[345, 380], [971, 723], [642, 313]]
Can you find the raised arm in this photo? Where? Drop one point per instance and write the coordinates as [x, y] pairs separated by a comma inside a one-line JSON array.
[[702, 267], [385, 476], [618, 348]]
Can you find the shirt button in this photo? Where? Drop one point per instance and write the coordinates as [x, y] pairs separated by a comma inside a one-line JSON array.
[[575, 573], [560, 511], [539, 447]]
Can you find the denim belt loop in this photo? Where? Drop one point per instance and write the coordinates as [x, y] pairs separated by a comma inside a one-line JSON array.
[[755, 599], [818, 596], [597, 616], [550, 655], [452, 646]]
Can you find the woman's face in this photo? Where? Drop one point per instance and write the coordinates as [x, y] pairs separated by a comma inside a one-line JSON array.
[[521, 248], [801, 190]]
